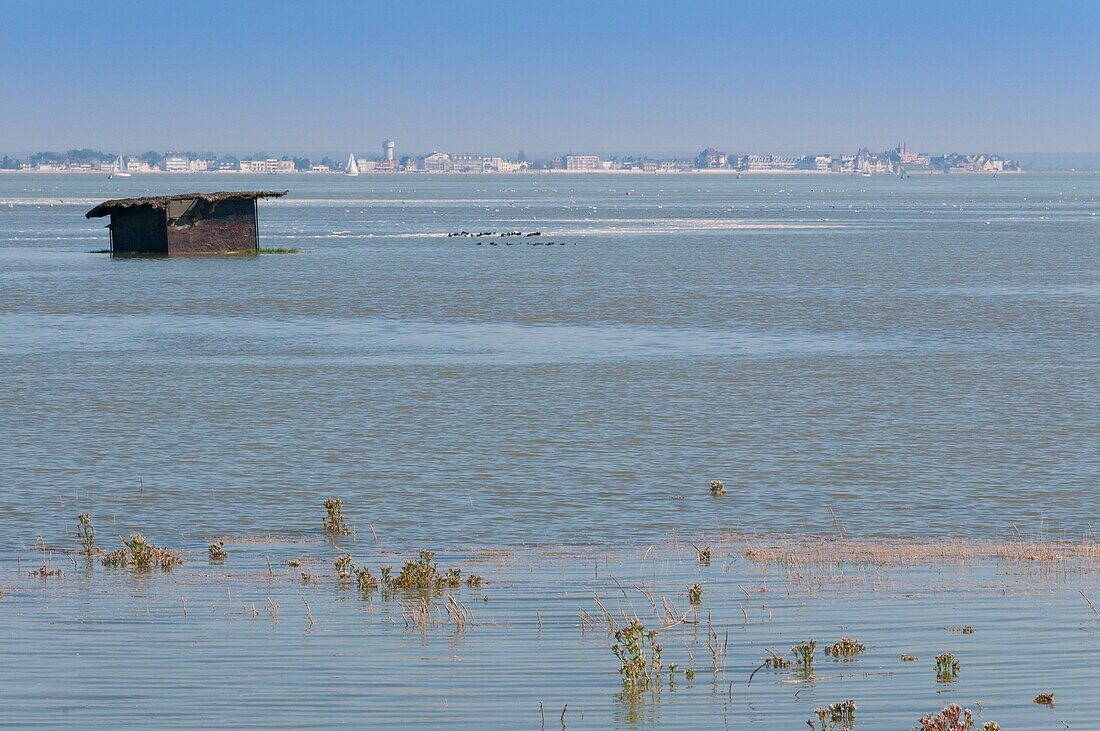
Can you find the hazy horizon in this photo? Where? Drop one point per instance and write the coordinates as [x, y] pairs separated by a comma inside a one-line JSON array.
[[584, 77]]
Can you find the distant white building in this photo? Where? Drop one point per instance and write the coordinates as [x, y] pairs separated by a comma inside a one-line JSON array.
[[770, 162], [270, 165], [437, 162], [177, 164], [134, 165], [470, 162], [583, 162]]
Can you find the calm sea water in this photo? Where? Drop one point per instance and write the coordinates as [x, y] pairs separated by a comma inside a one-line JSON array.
[[919, 355]]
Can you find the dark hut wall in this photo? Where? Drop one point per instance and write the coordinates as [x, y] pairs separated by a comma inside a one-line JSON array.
[[197, 226], [138, 230]]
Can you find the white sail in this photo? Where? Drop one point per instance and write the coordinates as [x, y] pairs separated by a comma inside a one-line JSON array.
[[120, 168], [353, 165]]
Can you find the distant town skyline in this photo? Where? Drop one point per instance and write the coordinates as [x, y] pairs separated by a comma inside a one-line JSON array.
[[589, 77], [901, 160]]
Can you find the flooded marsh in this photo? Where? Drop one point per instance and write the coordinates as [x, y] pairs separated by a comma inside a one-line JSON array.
[[744, 454]]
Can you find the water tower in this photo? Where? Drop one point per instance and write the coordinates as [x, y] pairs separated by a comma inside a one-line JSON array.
[[387, 150]]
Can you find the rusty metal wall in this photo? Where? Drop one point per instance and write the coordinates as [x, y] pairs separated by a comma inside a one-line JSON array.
[[138, 231], [213, 228]]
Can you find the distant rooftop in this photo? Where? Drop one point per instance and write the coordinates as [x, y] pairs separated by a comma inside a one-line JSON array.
[[161, 201]]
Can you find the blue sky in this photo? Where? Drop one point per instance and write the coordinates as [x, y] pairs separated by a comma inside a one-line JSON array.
[[550, 76]]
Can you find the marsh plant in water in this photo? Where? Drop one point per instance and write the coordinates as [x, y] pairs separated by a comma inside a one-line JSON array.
[[804, 655], [639, 655], [217, 551], [834, 717], [947, 666], [365, 579], [704, 555], [334, 523], [423, 574], [951, 718], [1045, 699], [695, 595], [142, 555], [45, 572], [776, 661], [717, 488], [343, 566], [846, 647], [909, 658], [85, 534]]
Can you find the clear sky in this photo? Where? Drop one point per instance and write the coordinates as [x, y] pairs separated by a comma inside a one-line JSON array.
[[550, 76]]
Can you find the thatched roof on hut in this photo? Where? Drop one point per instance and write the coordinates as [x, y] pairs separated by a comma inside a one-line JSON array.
[[161, 201]]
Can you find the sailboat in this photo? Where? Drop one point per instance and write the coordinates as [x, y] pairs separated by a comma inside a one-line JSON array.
[[353, 166], [120, 169]]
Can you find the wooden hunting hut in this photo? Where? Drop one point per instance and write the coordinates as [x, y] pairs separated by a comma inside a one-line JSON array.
[[190, 223]]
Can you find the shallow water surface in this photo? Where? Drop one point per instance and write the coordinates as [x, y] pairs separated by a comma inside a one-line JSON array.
[[201, 647], [915, 356], [893, 349]]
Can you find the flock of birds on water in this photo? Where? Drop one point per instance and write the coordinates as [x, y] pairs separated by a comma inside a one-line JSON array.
[[506, 234]]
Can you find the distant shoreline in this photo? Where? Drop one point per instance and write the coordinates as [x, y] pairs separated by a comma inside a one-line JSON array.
[[655, 173]]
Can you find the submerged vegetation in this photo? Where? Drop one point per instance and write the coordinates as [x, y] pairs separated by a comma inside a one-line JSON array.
[[365, 579], [426, 595], [776, 661], [952, 718], [846, 647], [424, 574], [834, 717], [639, 655], [343, 566], [45, 572], [216, 551], [947, 667], [334, 522], [804, 655], [142, 555], [85, 534]]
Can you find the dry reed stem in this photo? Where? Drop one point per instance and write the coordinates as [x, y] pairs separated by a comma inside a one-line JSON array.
[[457, 612], [612, 623]]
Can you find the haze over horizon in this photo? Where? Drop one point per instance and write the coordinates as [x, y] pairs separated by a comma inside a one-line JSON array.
[[595, 77]]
